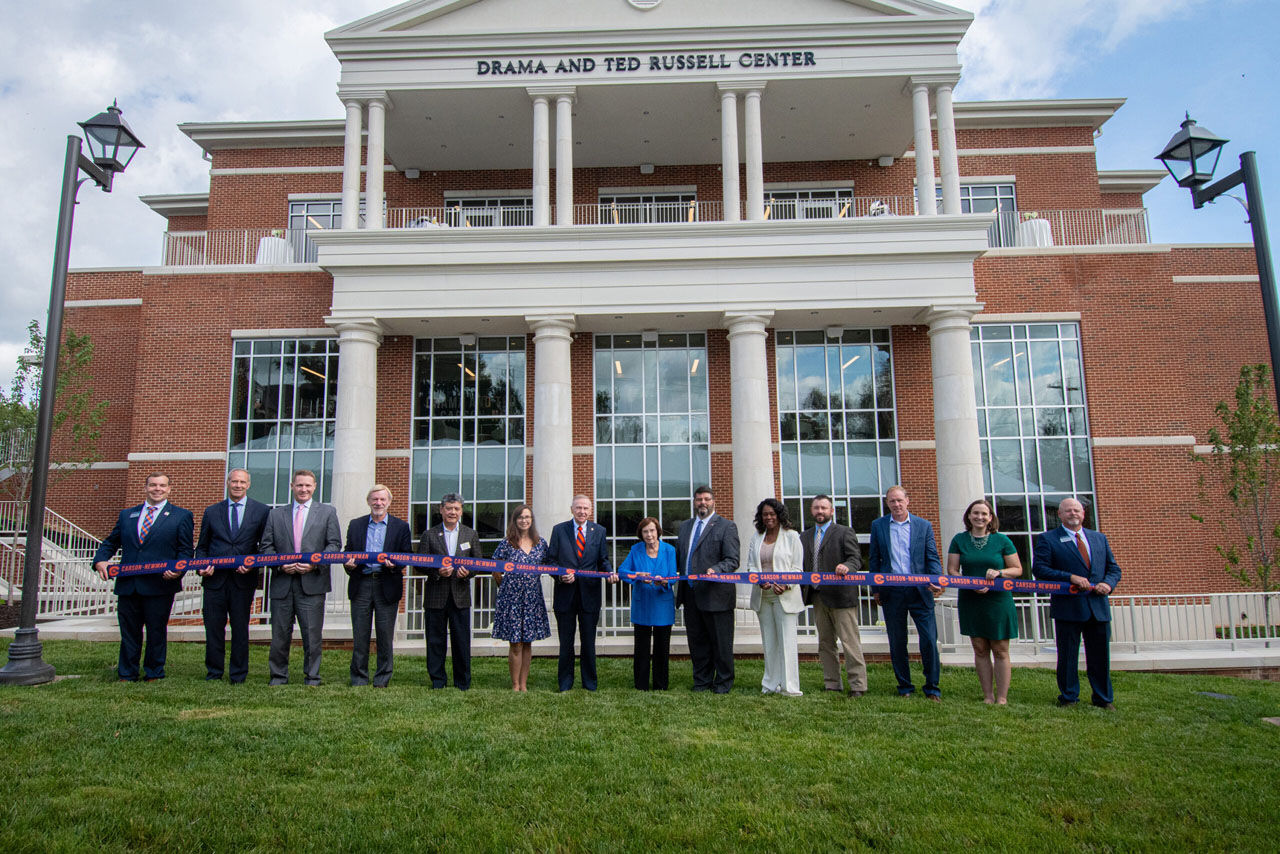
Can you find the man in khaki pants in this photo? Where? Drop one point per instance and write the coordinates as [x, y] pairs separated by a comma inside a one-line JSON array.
[[830, 547]]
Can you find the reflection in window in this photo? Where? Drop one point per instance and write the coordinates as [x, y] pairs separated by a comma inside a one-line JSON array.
[[468, 431], [1032, 425], [283, 398]]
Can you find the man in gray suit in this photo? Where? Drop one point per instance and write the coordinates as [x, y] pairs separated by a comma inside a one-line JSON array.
[[708, 545], [298, 589], [832, 547], [446, 595]]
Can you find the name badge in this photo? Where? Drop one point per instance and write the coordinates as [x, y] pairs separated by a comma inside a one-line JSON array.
[[464, 547], [1066, 539], [134, 515]]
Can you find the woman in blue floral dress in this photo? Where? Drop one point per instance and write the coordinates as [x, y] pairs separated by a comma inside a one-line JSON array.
[[520, 612]]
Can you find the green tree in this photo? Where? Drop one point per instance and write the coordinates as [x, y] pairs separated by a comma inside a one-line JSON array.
[[77, 419], [1245, 463]]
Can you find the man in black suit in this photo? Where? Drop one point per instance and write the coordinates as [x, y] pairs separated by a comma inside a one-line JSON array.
[[446, 595], [375, 587], [228, 528], [578, 544], [152, 531], [832, 547], [708, 544]]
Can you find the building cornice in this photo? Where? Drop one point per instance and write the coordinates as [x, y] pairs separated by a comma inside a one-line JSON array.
[[307, 133], [1129, 180], [178, 204], [1064, 112]]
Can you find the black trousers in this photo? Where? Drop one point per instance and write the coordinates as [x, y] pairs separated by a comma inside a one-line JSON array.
[[134, 613], [1097, 652], [710, 635], [371, 605], [231, 603], [584, 623], [657, 638], [454, 622]]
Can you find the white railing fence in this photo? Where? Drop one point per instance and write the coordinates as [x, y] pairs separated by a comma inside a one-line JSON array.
[[17, 447], [265, 246], [1090, 227]]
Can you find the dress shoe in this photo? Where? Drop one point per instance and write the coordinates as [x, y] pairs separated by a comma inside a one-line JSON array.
[[1108, 707], [853, 695], [933, 698], [1064, 703]]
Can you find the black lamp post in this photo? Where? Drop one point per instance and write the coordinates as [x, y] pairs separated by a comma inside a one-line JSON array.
[[1191, 156], [111, 146]]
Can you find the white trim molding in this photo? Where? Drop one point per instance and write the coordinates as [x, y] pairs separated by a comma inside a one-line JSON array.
[[1208, 280], [180, 457], [1030, 317], [917, 445], [307, 332], [102, 303], [1143, 441]]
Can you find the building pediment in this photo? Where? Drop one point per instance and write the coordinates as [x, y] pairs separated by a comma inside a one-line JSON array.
[[453, 18]]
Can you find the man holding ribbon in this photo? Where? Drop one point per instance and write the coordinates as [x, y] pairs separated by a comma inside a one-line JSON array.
[[297, 590], [832, 547], [150, 532], [376, 586], [230, 528], [1082, 557], [578, 544], [902, 544], [708, 544], [446, 595]]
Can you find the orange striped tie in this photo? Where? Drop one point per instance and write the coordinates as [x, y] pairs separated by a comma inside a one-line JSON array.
[[582, 540]]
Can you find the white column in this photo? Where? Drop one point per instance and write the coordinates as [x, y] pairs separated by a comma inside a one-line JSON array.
[[754, 154], [948, 160], [564, 159], [750, 413], [552, 417], [729, 154], [541, 163], [925, 188], [356, 420], [955, 415], [373, 174], [351, 166]]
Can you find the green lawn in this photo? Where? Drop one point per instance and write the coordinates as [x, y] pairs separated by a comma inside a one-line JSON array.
[[181, 765]]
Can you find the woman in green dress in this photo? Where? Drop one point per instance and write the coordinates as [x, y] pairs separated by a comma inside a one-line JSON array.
[[986, 616]]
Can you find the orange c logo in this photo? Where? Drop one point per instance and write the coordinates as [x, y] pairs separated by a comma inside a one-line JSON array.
[[943, 581], [249, 560], [878, 579], [113, 571], [180, 566], [1008, 584], [815, 577], [508, 567], [447, 563], [381, 557], [315, 557], [753, 578]]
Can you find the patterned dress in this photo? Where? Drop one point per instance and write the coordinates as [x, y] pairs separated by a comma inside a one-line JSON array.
[[520, 612]]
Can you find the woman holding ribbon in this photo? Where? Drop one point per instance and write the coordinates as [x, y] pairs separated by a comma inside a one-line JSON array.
[[776, 548], [987, 616], [520, 612], [653, 604]]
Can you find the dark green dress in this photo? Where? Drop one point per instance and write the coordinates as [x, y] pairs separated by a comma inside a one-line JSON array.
[[988, 615]]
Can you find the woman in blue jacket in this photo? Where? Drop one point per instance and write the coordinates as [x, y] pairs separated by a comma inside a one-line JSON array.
[[653, 605]]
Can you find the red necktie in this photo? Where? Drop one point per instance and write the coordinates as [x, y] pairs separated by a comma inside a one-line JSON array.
[[1080, 546], [582, 541]]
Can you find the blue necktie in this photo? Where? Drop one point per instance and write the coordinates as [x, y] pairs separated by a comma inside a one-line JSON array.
[[697, 532], [235, 518]]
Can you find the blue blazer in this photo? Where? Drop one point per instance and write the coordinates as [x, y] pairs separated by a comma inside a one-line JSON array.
[[168, 539], [924, 551], [399, 540], [1056, 558], [584, 594], [216, 540], [651, 604]]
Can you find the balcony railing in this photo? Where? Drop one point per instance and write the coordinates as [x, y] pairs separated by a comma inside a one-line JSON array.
[[1090, 227], [271, 246]]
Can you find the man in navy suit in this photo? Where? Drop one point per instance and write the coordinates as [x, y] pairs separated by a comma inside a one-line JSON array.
[[375, 587], [229, 528], [708, 544], [1084, 558], [152, 531], [578, 544], [902, 544]]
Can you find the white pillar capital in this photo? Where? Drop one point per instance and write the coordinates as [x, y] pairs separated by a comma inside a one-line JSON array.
[[945, 318], [549, 326], [747, 321], [365, 329]]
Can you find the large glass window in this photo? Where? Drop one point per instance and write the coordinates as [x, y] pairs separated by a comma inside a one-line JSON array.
[[809, 204], [836, 422], [1032, 424], [311, 214], [283, 396], [468, 431], [989, 198], [631, 208]]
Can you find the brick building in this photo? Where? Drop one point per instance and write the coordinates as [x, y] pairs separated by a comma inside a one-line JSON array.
[[663, 246]]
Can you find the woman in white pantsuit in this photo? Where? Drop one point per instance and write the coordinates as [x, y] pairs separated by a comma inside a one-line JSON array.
[[776, 548]]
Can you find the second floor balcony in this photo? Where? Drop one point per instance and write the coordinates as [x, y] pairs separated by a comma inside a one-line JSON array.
[[1010, 229]]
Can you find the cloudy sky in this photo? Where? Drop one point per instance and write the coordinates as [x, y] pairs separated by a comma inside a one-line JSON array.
[[62, 61]]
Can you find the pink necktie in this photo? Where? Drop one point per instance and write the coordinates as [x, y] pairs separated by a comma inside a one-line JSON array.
[[298, 518]]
